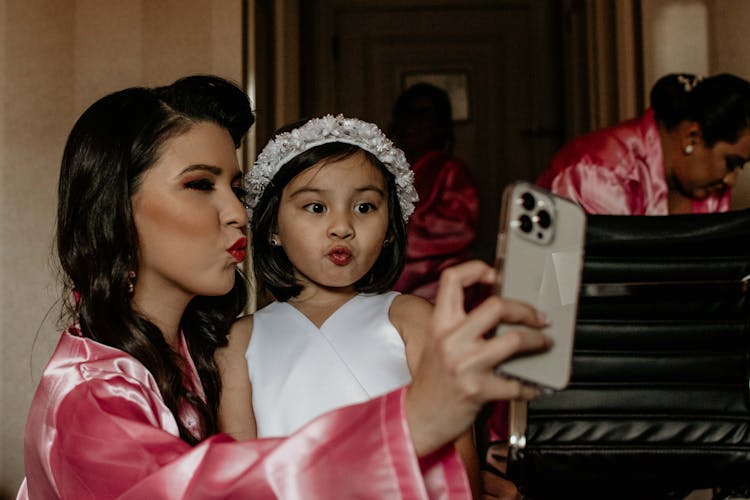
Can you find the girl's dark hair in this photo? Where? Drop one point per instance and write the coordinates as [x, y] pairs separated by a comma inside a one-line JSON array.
[[720, 104], [273, 270], [111, 146]]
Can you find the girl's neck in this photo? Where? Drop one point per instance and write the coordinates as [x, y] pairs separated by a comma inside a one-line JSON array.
[[319, 303]]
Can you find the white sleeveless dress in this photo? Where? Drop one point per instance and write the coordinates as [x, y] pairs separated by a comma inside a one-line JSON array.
[[299, 372]]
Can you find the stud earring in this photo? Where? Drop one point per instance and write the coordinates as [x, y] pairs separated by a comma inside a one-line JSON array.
[[274, 242], [131, 284], [689, 149]]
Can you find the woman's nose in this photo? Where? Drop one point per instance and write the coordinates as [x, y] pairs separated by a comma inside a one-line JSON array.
[[234, 212], [731, 178]]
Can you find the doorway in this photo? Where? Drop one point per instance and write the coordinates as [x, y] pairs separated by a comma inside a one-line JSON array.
[[359, 55]]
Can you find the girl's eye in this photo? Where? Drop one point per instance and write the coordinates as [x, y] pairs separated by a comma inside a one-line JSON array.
[[364, 208], [316, 208], [200, 185]]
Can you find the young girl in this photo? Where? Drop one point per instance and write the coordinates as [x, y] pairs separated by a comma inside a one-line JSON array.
[[330, 199], [150, 228]]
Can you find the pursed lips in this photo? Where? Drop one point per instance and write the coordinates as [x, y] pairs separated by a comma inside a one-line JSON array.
[[340, 255], [239, 249]]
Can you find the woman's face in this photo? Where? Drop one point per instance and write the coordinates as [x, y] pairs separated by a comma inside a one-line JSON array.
[[190, 222], [710, 171], [333, 221]]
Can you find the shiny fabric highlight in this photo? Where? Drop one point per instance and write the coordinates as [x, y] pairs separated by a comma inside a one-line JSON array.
[[99, 429], [444, 225]]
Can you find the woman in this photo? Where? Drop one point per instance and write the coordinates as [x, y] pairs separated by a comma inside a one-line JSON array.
[[444, 226], [150, 230], [682, 156]]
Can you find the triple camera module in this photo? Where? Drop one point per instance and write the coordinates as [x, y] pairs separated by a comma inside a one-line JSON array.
[[534, 217]]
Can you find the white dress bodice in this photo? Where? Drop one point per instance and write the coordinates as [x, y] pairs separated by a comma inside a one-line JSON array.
[[299, 371]]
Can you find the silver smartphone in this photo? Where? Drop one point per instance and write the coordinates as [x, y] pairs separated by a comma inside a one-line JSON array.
[[539, 257]]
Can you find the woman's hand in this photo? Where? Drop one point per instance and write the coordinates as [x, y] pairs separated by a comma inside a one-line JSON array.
[[455, 377]]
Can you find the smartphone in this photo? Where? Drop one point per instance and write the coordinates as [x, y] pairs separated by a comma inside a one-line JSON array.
[[539, 258]]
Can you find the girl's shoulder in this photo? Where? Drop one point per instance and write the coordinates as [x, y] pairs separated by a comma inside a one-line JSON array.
[[409, 311], [411, 315], [239, 335], [406, 301]]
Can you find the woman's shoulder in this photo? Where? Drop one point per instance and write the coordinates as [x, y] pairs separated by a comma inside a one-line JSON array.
[[82, 364]]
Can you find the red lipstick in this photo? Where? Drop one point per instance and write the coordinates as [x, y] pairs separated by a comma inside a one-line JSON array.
[[340, 256], [238, 250]]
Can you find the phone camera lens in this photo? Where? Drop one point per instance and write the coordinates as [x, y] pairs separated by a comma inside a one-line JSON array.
[[526, 224], [527, 201], [543, 218]]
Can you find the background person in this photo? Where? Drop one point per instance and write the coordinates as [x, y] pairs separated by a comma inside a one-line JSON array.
[[681, 156], [444, 225]]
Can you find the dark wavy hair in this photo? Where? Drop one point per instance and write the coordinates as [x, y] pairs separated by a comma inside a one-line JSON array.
[[111, 146], [720, 104], [273, 270]]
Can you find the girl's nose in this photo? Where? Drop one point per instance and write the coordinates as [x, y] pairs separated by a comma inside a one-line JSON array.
[[340, 226]]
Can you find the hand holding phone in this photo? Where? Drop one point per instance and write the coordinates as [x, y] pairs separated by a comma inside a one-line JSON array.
[[539, 259]]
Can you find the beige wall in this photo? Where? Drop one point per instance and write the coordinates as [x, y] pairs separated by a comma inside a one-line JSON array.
[[56, 58]]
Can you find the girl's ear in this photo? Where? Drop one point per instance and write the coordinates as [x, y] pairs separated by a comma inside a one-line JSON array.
[[274, 240], [388, 240]]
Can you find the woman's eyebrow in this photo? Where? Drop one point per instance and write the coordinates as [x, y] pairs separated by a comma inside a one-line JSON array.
[[201, 167]]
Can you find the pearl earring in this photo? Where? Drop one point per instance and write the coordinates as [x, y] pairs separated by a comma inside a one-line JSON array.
[[274, 242], [689, 149], [131, 285]]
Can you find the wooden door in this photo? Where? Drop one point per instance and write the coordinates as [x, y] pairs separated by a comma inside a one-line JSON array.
[[357, 55]]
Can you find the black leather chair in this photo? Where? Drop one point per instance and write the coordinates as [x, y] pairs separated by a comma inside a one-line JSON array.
[[659, 400]]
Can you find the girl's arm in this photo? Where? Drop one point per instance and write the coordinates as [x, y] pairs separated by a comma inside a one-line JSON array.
[[410, 315], [236, 416]]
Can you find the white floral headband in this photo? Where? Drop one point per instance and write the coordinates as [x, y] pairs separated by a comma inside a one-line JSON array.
[[326, 129]]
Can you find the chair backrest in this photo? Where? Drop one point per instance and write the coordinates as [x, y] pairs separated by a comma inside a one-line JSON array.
[[659, 399]]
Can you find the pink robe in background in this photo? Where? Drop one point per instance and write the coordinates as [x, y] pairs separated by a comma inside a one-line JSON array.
[[98, 429], [619, 171], [444, 225]]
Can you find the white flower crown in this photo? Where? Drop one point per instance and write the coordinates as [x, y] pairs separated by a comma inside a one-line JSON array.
[[326, 129]]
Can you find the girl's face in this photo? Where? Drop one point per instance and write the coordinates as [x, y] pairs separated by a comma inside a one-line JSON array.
[[710, 171], [333, 221], [190, 223]]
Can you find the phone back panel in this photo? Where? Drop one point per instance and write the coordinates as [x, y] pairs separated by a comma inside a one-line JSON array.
[[540, 255]]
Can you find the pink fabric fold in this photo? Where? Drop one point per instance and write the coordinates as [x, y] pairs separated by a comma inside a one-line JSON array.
[[444, 225], [98, 428]]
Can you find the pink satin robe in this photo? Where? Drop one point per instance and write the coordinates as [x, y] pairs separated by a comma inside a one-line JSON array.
[[444, 224], [98, 429], [619, 170]]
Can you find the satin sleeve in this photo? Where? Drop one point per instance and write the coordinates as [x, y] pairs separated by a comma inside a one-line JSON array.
[[597, 189], [443, 228], [107, 445], [448, 216]]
